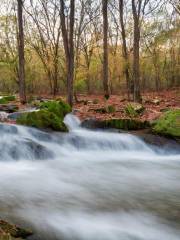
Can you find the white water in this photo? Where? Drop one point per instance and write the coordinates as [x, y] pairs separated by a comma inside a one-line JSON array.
[[88, 185]]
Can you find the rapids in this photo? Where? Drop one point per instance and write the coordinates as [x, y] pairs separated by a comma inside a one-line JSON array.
[[88, 185]]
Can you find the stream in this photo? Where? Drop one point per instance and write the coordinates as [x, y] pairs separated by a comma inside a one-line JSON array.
[[88, 185]]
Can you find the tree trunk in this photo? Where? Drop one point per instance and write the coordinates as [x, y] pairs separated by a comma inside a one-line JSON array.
[[71, 55], [22, 91], [68, 41], [136, 45], [124, 46], [105, 48]]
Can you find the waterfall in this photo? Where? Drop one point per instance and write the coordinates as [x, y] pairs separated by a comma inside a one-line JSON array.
[[88, 185]]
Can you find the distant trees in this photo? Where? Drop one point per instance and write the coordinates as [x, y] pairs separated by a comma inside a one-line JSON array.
[[109, 46], [21, 70], [43, 35]]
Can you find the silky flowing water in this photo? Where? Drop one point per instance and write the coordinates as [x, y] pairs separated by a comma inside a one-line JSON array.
[[88, 185]]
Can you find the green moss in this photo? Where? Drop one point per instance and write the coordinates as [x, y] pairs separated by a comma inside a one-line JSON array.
[[134, 109], [168, 124], [7, 99], [10, 98], [111, 109], [125, 124], [3, 101], [59, 108], [43, 119]]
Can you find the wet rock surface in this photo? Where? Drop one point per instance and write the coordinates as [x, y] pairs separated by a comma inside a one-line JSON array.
[[10, 232]]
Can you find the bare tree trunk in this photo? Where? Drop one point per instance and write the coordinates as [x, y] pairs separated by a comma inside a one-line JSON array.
[[68, 41], [22, 91], [105, 47], [124, 46], [136, 45]]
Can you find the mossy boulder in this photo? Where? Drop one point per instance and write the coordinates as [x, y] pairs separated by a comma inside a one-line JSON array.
[[7, 99], [134, 109], [168, 124], [59, 108], [121, 124], [43, 119], [126, 124], [49, 116], [9, 231]]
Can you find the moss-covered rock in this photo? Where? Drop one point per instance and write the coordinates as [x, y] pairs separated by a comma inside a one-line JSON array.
[[9, 231], [126, 124], [42, 119], [7, 99], [168, 124], [134, 109], [123, 124], [50, 116], [59, 108]]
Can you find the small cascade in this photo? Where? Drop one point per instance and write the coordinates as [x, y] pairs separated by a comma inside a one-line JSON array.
[[88, 185]]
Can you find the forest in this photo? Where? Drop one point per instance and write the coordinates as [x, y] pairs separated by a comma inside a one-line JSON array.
[[89, 47], [89, 119]]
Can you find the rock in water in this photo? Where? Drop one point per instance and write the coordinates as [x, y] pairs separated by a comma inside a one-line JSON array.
[[9, 231]]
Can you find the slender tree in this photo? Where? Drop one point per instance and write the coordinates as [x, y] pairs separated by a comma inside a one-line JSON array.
[[68, 41], [124, 46], [136, 10], [105, 48], [21, 71]]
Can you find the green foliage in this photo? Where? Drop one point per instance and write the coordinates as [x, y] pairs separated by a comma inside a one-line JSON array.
[[43, 119], [59, 108], [168, 124]]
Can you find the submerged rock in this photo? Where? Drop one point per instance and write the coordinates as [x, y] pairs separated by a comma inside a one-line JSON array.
[[10, 232], [168, 124], [4, 129], [29, 150]]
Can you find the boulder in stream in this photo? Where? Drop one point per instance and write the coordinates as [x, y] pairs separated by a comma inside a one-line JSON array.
[[50, 116], [168, 124]]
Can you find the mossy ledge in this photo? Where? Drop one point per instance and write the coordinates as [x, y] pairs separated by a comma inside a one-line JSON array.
[[123, 124], [168, 124], [50, 116]]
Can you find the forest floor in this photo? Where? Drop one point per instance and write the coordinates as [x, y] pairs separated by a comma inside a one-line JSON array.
[[154, 103], [90, 106]]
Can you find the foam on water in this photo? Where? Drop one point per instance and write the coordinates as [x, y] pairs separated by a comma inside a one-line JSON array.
[[88, 185]]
